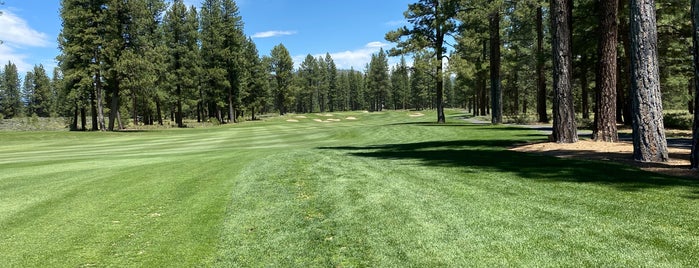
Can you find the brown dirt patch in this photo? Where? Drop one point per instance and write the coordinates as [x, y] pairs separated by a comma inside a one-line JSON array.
[[621, 152]]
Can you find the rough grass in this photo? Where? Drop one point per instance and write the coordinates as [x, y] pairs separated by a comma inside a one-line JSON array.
[[385, 190]]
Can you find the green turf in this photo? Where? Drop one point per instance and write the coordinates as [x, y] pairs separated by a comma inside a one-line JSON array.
[[385, 190]]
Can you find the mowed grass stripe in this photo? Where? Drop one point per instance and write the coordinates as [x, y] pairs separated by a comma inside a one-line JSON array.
[[386, 189]]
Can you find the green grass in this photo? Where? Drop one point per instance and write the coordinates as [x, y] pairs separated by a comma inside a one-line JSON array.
[[385, 190]]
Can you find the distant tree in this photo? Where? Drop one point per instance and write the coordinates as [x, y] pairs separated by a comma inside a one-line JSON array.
[[234, 44], [400, 84], [282, 67], [257, 82], [564, 126], [181, 26], [310, 78], [332, 92], [421, 80], [82, 43], [649, 140], [213, 53], [605, 115], [431, 21], [37, 92], [378, 81], [11, 99]]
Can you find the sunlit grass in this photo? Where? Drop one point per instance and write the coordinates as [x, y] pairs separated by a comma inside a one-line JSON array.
[[382, 189]]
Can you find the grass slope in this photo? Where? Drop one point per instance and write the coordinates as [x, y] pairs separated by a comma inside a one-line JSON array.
[[384, 190]]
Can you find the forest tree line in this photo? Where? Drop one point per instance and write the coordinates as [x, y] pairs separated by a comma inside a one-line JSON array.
[[152, 60]]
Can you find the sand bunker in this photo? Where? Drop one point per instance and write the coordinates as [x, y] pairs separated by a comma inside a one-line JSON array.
[[318, 120], [334, 120], [292, 120], [416, 114], [300, 117], [351, 118], [327, 115]]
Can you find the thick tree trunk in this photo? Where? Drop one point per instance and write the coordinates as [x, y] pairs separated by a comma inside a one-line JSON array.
[[540, 60], [648, 131], [159, 111], [564, 126], [83, 118], [694, 155], [74, 122], [495, 86], [134, 108], [115, 105], [93, 110], [605, 114]]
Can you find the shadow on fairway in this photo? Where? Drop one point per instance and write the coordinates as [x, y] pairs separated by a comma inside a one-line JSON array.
[[490, 155]]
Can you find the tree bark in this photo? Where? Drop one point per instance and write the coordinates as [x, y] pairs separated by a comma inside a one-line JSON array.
[[564, 126], [694, 155], [115, 105], [585, 86], [93, 110], [495, 86], [540, 60], [648, 131], [605, 114]]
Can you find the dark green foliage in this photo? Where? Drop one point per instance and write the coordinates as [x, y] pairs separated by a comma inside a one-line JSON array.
[[378, 82], [10, 97], [282, 67]]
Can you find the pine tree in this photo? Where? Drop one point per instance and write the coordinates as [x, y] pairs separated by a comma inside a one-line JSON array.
[[649, 140], [11, 101], [181, 26], [431, 20], [215, 83], [332, 90], [400, 83], [257, 86], [564, 126], [694, 155], [233, 43], [378, 81], [605, 115], [37, 92], [282, 67]]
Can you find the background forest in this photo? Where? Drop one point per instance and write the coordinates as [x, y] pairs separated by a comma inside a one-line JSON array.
[[150, 61]]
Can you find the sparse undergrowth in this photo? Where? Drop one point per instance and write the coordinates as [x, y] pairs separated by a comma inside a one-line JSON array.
[[387, 189]]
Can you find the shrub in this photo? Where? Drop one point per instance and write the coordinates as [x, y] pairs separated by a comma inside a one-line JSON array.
[[678, 120]]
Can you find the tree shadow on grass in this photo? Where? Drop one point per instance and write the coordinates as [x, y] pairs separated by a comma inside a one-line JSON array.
[[490, 155]]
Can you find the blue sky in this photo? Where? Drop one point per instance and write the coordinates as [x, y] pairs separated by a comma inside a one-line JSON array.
[[349, 30]]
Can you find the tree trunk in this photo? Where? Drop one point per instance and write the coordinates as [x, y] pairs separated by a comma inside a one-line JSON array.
[[648, 131], [135, 107], [159, 111], [564, 126], [624, 80], [605, 114], [694, 155], [74, 122], [115, 105], [100, 101], [83, 118], [540, 60], [495, 86], [93, 110], [585, 86]]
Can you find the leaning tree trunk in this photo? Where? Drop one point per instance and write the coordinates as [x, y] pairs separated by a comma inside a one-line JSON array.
[[540, 78], [694, 156], [649, 144], [564, 126], [605, 114], [495, 86]]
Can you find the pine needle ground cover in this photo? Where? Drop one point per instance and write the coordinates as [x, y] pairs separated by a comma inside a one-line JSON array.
[[378, 189]]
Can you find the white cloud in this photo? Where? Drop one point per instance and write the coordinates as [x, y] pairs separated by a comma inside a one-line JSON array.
[[16, 32], [357, 59], [18, 36], [268, 34]]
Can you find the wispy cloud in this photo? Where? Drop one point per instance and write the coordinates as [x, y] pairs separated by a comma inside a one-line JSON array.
[[18, 36], [269, 34], [357, 59], [16, 32]]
